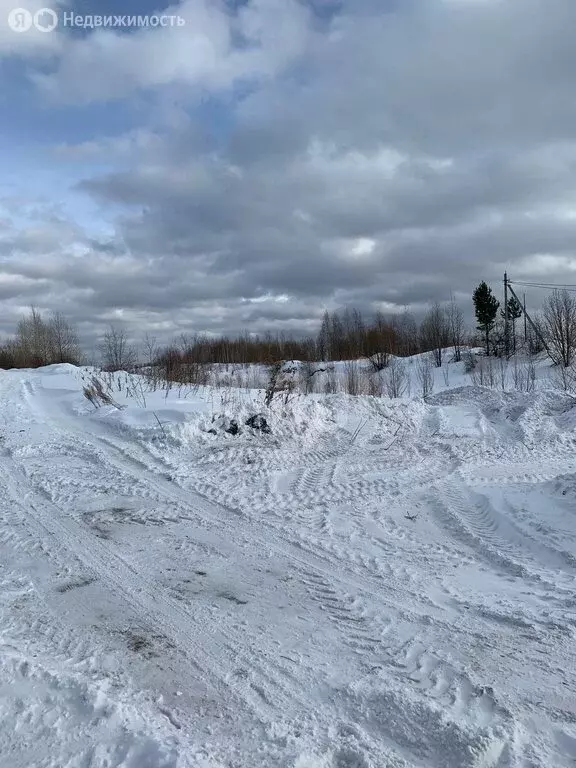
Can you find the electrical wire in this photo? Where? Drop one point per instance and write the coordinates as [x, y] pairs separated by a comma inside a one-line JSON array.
[[571, 288]]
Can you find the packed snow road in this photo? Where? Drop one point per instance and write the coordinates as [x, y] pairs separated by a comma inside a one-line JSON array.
[[375, 584]]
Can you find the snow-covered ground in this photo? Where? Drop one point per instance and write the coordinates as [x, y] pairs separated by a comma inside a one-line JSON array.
[[375, 584]]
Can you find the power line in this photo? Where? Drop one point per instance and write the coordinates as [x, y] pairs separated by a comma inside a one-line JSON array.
[[567, 286], [538, 284], [526, 314]]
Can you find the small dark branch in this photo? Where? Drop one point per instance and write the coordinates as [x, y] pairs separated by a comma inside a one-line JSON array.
[[160, 425], [393, 439], [358, 429]]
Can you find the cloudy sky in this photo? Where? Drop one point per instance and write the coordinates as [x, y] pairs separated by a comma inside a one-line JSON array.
[[273, 158]]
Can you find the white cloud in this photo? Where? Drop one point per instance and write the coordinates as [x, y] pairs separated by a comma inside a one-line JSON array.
[[203, 53], [133, 145]]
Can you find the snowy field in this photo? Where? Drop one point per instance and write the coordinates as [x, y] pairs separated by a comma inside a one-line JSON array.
[[377, 583]]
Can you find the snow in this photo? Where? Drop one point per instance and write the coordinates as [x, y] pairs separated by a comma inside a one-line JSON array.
[[376, 584]]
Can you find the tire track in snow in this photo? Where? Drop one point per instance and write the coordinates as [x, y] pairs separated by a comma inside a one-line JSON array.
[[162, 487], [314, 511], [440, 681], [19, 631], [60, 696], [386, 586], [516, 473], [360, 632], [468, 518], [355, 630], [152, 602], [121, 457], [451, 509], [321, 459], [345, 613], [418, 666]]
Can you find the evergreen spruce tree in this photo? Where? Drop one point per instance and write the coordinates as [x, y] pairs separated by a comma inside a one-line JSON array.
[[486, 308]]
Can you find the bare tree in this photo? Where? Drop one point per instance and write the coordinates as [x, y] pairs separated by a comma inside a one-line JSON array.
[[379, 361], [33, 340], [530, 375], [116, 351], [337, 338], [357, 334], [150, 348], [152, 355], [309, 376], [351, 377], [397, 381], [330, 382], [406, 331], [425, 375], [323, 348], [435, 332], [456, 328], [535, 335], [559, 324], [274, 382], [282, 380], [503, 371], [375, 385], [470, 362], [478, 373], [564, 377], [63, 340], [490, 372], [380, 341], [483, 373], [524, 374], [40, 343], [446, 375]]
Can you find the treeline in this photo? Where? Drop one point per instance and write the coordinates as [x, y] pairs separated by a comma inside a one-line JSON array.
[[39, 341], [348, 335], [245, 349], [345, 335]]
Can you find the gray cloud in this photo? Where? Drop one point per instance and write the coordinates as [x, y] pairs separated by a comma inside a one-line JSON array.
[[398, 154]]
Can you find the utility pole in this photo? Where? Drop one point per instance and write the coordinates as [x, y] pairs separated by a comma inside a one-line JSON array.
[[506, 325], [532, 324], [525, 321]]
